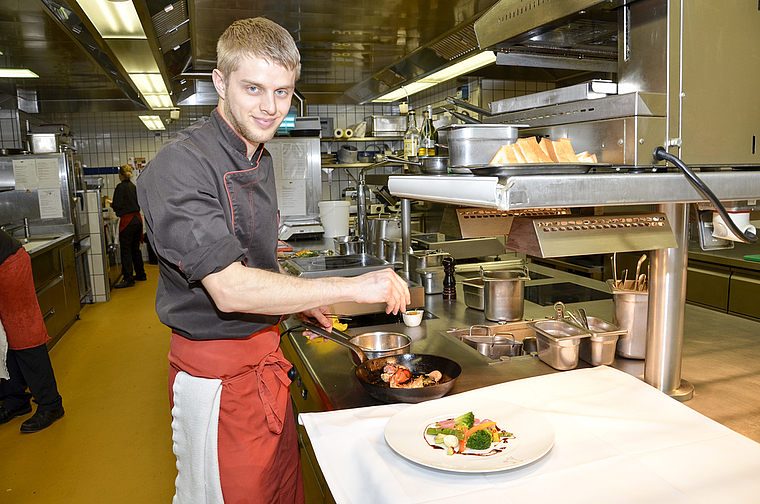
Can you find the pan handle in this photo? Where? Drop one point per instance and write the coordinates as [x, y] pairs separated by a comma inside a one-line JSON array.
[[465, 118], [469, 106], [344, 342]]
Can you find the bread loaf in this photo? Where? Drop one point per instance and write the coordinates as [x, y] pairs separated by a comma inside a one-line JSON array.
[[528, 150]]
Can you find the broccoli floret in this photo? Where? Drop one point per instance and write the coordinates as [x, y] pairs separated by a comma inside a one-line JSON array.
[[468, 420], [480, 440]]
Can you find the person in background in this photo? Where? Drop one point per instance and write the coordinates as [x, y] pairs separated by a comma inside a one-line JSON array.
[[27, 360], [130, 229], [210, 206]]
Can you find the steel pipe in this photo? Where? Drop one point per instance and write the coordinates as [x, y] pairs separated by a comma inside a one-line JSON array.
[[665, 315]]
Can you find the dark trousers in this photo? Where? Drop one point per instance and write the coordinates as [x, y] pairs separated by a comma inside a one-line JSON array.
[[130, 250], [30, 368]]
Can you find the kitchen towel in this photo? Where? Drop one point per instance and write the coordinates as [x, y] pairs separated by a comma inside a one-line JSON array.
[[195, 425], [3, 353]]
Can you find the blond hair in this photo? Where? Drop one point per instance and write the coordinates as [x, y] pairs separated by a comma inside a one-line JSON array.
[[125, 171], [260, 38]]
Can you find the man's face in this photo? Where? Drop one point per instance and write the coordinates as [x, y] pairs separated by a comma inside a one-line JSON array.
[[255, 99]]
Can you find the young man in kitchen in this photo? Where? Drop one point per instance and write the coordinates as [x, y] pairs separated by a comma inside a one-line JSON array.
[[211, 213]]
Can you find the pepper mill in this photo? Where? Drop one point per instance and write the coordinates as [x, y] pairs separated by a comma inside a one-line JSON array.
[[449, 282]]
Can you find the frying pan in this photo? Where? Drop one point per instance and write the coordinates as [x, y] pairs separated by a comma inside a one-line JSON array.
[[369, 370]]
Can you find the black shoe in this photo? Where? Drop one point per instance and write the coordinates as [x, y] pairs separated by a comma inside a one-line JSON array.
[[141, 278], [124, 283], [6, 415], [41, 420]]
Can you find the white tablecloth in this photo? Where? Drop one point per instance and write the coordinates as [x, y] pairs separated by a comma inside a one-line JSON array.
[[617, 440]]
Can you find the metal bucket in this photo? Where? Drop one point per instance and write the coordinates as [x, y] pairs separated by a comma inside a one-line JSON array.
[[631, 312], [504, 294]]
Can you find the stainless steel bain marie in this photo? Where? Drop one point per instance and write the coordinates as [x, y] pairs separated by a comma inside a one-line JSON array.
[[477, 144], [558, 343]]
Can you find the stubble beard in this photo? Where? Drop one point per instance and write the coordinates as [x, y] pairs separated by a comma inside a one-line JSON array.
[[244, 130]]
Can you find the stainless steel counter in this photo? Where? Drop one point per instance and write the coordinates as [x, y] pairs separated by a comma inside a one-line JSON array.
[[331, 367], [720, 355]]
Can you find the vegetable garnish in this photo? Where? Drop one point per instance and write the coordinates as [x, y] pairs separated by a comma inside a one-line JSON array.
[[466, 435]]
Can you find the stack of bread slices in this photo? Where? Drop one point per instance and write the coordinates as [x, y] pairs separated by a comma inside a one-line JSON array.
[[528, 150]]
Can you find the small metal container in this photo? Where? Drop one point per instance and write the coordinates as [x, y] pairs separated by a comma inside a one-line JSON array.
[[431, 279], [378, 125], [504, 294], [599, 348], [473, 293], [345, 245], [558, 343], [495, 346], [427, 258]]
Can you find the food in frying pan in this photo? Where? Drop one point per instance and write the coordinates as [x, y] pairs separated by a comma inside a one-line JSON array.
[[466, 435], [399, 376], [528, 150]]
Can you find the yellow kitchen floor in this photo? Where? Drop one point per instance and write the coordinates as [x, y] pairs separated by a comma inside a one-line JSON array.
[[114, 444]]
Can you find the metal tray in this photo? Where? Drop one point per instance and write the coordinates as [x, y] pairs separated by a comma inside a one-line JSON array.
[[535, 169]]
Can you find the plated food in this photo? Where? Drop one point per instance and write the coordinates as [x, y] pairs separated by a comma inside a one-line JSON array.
[[466, 435], [528, 150], [530, 437]]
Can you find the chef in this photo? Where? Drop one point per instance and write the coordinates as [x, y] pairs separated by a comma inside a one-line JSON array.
[[210, 208]]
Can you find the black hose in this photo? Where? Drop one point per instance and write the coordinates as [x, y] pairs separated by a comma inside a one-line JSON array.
[[661, 154]]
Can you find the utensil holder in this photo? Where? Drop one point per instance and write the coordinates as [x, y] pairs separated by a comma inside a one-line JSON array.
[[631, 314]]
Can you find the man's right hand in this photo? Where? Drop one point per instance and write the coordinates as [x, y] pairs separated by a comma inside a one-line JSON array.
[[383, 286]]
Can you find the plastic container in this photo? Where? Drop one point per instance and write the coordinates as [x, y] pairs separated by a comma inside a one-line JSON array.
[[631, 315], [334, 217]]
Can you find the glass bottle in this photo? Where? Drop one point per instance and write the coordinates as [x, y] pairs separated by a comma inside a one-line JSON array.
[[411, 137], [428, 134]]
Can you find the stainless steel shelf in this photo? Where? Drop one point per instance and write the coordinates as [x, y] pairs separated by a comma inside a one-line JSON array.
[[580, 190]]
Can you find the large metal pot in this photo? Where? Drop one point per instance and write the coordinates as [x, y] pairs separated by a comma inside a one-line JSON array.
[[504, 294], [369, 370], [477, 144]]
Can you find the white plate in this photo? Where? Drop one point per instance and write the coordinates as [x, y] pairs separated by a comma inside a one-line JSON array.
[[534, 435]]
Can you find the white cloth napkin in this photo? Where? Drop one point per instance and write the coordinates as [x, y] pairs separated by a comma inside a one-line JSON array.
[[617, 440], [3, 353], [195, 425]]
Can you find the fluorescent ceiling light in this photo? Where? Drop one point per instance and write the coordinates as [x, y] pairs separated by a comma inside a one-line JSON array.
[[113, 19], [404, 91], [469, 65], [460, 68], [159, 102], [149, 83], [152, 122], [17, 73]]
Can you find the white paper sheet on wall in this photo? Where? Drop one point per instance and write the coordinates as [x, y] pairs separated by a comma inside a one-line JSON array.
[[25, 174], [50, 203], [291, 195], [47, 173]]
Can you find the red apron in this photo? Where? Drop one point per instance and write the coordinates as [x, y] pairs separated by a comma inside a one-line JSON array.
[[125, 219], [19, 310], [259, 460]]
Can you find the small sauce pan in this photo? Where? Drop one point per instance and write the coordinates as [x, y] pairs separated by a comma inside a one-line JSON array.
[[371, 344]]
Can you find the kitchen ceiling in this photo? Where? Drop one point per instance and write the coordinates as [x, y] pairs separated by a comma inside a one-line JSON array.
[[350, 50]]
